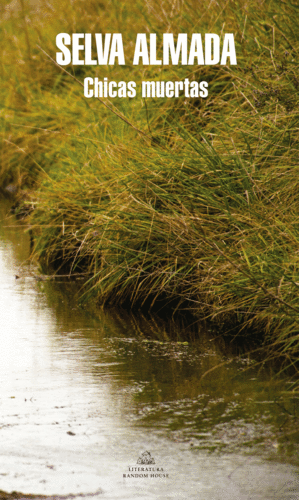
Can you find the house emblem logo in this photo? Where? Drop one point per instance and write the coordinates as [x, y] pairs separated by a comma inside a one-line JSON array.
[[146, 459]]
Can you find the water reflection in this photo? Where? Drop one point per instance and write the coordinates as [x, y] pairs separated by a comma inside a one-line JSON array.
[[84, 393]]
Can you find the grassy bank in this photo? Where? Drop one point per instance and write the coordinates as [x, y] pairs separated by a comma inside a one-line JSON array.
[[198, 207]]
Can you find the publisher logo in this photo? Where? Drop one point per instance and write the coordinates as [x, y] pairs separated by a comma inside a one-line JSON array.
[[146, 458], [146, 468]]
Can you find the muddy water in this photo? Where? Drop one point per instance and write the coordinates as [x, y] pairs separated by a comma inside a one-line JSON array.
[[84, 395]]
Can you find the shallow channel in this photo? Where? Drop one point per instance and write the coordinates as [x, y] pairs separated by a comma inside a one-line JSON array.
[[84, 395]]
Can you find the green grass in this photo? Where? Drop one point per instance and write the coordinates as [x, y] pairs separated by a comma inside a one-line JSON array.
[[200, 210]]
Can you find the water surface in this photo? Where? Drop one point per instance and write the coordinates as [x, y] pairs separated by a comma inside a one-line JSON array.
[[84, 395]]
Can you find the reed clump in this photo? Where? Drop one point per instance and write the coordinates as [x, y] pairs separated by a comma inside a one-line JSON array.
[[200, 209]]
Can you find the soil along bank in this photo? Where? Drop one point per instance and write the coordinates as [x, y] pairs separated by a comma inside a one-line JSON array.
[[199, 210]]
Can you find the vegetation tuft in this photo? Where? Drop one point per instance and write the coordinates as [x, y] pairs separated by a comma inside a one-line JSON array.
[[199, 211]]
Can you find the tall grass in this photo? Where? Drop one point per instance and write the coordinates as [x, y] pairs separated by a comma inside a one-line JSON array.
[[199, 212]]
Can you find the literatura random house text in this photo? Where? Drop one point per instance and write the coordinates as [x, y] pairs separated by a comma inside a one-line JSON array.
[[107, 49]]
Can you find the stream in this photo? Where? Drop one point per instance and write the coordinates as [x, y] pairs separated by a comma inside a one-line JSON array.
[[107, 405]]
